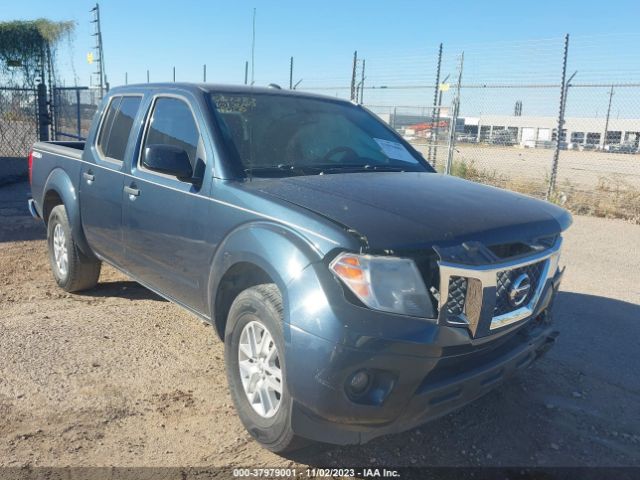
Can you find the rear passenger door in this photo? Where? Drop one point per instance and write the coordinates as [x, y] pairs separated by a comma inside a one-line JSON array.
[[102, 180], [166, 220]]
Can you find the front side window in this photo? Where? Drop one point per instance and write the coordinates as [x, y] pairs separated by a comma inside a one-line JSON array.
[[172, 123], [302, 135], [116, 128]]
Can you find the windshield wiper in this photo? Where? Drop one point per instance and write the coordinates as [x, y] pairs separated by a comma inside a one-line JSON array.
[[365, 167], [385, 168], [287, 169], [321, 169]]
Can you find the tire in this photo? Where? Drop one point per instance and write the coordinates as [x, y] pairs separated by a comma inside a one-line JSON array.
[[78, 272], [255, 307]]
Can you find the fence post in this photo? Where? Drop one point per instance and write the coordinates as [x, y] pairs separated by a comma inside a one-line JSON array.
[[606, 123], [55, 103], [43, 115], [454, 119], [563, 93], [431, 156], [78, 113], [353, 76], [291, 73]]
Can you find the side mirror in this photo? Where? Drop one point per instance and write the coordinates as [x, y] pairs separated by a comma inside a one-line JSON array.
[[168, 159]]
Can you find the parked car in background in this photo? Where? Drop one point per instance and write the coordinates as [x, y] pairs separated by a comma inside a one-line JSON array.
[[626, 147], [503, 137], [467, 138]]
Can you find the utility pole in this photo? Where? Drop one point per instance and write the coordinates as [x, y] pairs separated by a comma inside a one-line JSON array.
[[204, 73], [147, 75], [102, 76], [291, 74], [253, 48], [353, 76], [246, 71], [606, 123], [174, 74], [517, 110], [362, 77]]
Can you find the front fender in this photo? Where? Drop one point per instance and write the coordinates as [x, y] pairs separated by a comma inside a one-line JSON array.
[[59, 182], [275, 248]]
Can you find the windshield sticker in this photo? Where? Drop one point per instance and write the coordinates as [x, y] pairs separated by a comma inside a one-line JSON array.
[[395, 150]]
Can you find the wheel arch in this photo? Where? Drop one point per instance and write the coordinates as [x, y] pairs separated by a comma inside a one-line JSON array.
[[59, 190], [255, 253]]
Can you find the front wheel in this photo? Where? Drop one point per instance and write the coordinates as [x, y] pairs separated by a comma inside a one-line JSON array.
[[72, 269], [256, 370]]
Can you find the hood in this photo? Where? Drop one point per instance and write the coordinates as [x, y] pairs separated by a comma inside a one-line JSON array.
[[410, 210]]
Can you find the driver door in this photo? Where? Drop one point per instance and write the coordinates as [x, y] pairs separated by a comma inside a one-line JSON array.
[[165, 219]]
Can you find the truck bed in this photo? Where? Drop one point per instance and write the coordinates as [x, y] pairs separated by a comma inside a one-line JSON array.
[[72, 149], [50, 159]]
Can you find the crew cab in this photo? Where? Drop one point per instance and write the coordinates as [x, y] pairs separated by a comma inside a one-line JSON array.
[[358, 292]]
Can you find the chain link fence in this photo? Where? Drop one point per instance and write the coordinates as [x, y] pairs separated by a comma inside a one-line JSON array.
[[18, 121], [495, 115], [73, 111], [28, 115], [552, 118]]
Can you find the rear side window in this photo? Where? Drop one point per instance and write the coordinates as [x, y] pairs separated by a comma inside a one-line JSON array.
[[115, 130], [107, 123], [172, 123]]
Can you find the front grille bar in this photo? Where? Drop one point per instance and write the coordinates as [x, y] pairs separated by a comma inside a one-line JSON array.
[[482, 309]]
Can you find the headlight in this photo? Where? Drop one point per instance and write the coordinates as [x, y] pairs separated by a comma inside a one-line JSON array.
[[389, 284]]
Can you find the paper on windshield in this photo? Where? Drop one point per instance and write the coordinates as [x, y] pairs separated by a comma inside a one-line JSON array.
[[395, 150]]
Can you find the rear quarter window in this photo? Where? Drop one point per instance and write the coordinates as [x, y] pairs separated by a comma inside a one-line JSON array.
[[116, 127]]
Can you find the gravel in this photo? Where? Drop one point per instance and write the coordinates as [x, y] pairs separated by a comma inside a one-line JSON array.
[[118, 376]]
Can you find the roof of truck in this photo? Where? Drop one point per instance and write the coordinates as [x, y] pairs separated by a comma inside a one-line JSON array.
[[219, 88]]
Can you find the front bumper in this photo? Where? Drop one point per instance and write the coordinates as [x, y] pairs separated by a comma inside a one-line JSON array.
[[416, 377], [427, 402]]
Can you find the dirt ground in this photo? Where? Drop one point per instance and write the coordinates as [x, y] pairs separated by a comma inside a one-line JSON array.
[[119, 377], [582, 170]]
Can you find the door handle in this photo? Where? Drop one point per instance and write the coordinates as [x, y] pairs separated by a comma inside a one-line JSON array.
[[89, 177], [132, 191]]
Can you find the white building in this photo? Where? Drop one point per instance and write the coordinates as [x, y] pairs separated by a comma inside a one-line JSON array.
[[530, 131]]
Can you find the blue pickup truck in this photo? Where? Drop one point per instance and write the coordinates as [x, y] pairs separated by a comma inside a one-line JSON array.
[[357, 291]]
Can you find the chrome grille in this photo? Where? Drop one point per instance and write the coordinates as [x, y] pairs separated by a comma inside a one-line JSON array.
[[457, 294], [504, 281], [477, 296]]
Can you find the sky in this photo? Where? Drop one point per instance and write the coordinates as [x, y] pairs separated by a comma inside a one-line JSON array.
[[503, 41]]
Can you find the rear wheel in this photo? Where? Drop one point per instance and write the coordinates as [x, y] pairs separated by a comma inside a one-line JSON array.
[[256, 370], [72, 269]]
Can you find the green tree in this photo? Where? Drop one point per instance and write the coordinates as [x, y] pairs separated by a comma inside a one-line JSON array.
[[28, 48]]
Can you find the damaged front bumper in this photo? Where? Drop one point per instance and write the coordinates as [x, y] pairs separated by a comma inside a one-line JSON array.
[[417, 370]]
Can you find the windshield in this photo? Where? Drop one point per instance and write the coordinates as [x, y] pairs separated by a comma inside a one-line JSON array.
[[277, 135]]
